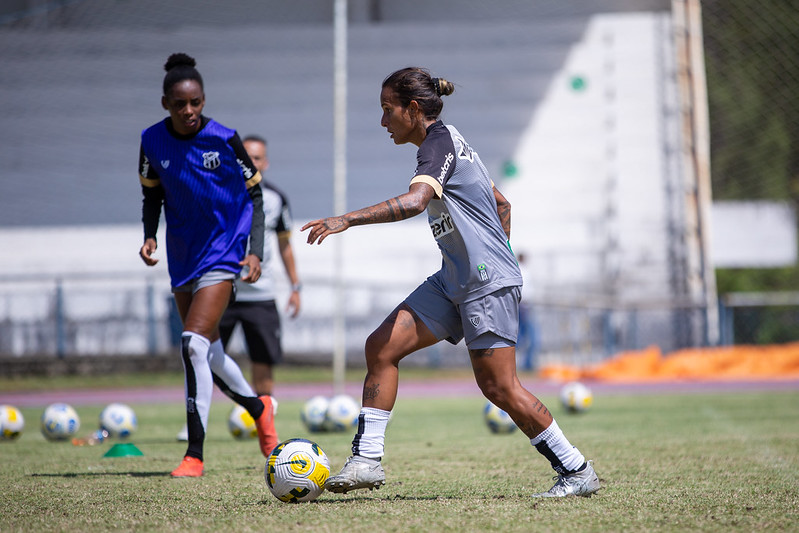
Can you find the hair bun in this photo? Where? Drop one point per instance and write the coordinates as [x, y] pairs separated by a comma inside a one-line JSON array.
[[179, 59], [443, 87]]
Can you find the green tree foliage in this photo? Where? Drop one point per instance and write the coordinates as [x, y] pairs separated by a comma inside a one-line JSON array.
[[752, 62]]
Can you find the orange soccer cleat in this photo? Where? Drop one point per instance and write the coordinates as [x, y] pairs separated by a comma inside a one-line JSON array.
[[265, 425], [189, 467]]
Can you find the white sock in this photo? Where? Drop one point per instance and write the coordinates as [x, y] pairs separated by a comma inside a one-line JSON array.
[[553, 444], [199, 384], [228, 370], [370, 439]]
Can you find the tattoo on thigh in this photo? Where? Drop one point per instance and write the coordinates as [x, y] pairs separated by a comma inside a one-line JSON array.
[[407, 321], [488, 352], [371, 391]]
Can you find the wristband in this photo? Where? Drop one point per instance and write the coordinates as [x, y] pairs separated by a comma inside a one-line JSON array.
[[297, 287]]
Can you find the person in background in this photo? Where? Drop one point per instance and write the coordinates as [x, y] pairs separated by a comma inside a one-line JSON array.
[[255, 306], [475, 296], [528, 330], [199, 172]]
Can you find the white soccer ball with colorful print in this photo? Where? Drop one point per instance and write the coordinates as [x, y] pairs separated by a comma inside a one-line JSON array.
[[240, 424], [11, 422], [342, 413], [60, 422], [313, 413], [576, 397], [296, 471], [497, 420], [119, 420]]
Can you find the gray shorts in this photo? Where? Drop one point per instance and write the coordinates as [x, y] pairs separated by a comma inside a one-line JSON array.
[[211, 277], [497, 313]]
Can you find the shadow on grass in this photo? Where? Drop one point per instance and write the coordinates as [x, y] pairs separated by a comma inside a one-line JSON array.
[[93, 474], [349, 500]]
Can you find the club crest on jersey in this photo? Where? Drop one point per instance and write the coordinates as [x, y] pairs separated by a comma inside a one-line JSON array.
[[481, 268], [442, 226], [165, 163], [211, 160], [465, 151], [475, 320]]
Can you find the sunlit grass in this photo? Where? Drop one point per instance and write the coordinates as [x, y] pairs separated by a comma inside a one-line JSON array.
[[709, 462]]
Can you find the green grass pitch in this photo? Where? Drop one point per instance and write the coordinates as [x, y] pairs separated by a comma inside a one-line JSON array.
[[671, 462]]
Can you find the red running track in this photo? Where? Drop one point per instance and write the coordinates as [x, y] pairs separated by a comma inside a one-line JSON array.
[[411, 388]]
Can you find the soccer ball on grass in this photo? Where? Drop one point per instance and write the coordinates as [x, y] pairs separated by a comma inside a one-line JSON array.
[[241, 424], [576, 397], [497, 420], [313, 413], [59, 422], [119, 420], [296, 471], [342, 413], [11, 422]]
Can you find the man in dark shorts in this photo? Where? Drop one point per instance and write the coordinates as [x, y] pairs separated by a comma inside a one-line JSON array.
[[255, 306]]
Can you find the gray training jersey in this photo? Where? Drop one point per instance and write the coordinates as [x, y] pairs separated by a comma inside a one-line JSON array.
[[476, 256]]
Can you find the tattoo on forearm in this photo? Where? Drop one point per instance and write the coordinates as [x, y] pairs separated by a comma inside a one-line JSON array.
[[403, 213], [371, 391], [391, 210]]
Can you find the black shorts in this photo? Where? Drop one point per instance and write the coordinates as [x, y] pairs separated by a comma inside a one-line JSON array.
[[260, 322]]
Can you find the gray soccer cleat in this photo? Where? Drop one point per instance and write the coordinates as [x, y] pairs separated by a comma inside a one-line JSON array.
[[358, 473], [582, 483]]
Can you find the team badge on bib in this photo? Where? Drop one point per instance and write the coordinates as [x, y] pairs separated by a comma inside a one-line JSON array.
[[211, 160]]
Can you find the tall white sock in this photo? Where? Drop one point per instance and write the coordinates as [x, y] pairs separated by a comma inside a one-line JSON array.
[[228, 370], [370, 439], [198, 383], [553, 444]]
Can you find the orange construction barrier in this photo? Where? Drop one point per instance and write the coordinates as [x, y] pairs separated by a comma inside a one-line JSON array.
[[722, 363]]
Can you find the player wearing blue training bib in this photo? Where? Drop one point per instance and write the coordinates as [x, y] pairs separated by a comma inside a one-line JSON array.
[[475, 296], [204, 181], [199, 172]]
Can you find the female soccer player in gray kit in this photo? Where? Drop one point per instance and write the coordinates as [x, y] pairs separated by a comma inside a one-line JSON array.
[[474, 296]]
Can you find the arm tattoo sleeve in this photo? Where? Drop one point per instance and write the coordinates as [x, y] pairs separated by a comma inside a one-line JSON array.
[[389, 211]]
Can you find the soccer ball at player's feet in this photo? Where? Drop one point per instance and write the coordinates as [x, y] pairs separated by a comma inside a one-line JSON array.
[[296, 471]]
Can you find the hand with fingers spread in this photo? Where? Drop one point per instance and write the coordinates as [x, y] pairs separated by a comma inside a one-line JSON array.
[[321, 228]]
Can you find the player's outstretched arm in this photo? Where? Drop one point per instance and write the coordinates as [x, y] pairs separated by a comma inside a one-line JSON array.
[[400, 207]]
